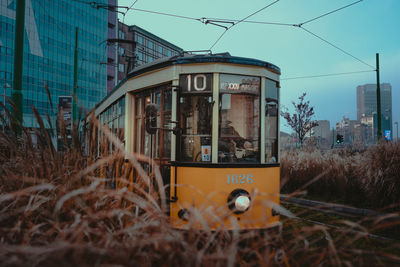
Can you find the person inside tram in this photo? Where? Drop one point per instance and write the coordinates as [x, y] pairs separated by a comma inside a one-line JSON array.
[[232, 147]]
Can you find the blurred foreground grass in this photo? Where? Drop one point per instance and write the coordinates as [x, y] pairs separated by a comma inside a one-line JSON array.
[[57, 209]]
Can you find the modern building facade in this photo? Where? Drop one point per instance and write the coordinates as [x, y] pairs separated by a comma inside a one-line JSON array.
[[112, 51], [366, 100], [144, 47], [49, 47]]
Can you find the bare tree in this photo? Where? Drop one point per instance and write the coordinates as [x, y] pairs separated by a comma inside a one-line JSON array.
[[300, 121]]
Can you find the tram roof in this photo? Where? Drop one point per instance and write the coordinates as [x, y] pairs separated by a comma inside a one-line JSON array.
[[187, 58]]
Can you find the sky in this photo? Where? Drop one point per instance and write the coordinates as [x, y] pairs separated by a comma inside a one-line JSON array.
[[358, 31]]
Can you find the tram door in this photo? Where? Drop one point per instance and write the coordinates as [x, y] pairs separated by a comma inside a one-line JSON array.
[[156, 146]]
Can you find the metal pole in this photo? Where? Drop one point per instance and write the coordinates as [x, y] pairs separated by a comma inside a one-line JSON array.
[[397, 130], [4, 103], [74, 109], [17, 96], [378, 98]]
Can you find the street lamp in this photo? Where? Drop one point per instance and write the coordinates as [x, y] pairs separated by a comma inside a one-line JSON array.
[[6, 85]]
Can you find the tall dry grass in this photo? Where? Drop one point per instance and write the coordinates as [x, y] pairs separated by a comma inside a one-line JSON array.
[[370, 178], [58, 209]]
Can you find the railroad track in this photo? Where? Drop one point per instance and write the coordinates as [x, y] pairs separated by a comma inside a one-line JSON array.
[[341, 211], [354, 214]]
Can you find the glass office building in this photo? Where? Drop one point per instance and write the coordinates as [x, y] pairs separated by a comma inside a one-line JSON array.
[[49, 47]]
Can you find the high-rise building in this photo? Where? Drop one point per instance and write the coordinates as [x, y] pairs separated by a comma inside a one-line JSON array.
[[112, 33], [140, 47], [366, 101], [48, 58]]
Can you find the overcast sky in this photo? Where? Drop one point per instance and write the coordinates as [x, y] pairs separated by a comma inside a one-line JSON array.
[[361, 30]]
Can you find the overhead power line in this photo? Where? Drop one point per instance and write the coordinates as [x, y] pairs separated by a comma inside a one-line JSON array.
[[221, 22], [236, 23], [165, 14], [328, 13], [126, 12], [326, 75], [335, 46]]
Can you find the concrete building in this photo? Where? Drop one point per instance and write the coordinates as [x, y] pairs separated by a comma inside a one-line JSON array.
[[323, 130], [346, 128], [48, 59], [143, 48]]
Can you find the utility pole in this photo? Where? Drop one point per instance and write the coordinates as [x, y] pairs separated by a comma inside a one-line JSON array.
[[16, 95], [378, 98], [74, 107]]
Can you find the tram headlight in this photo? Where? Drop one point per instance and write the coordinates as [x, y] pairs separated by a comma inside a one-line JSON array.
[[239, 201], [242, 203]]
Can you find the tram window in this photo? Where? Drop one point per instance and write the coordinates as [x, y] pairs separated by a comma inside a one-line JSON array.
[[167, 123], [196, 124], [138, 123], [239, 121], [271, 121]]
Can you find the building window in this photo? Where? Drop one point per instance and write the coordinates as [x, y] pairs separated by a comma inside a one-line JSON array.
[[121, 51], [160, 49], [169, 53], [121, 67], [140, 39], [121, 34], [140, 55], [151, 45]]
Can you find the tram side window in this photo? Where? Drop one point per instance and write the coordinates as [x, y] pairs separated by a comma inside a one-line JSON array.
[[271, 121], [239, 119]]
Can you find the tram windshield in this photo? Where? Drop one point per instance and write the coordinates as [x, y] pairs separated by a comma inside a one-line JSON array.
[[196, 112], [239, 119]]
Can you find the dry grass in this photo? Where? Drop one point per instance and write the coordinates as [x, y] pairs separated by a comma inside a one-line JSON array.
[[366, 179], [58, 209]]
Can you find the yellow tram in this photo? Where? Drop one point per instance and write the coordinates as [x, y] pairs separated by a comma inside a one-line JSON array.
[[211, 122]]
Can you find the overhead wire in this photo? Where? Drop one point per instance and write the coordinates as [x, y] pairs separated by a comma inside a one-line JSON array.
[[129, 8], [326, 75], [335, 46], [330, 12], [166, 14], [236, 23]]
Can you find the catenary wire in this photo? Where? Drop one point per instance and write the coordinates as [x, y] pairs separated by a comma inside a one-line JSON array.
[[165, 14], [235, 22], [129, 8], [326, 75], [252, 14], [335, 46], [328, 13]]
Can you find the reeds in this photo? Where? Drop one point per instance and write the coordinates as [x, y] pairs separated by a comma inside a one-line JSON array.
[[368, 179], [62, 209]]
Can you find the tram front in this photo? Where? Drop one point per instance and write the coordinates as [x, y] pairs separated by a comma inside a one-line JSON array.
[[225, 169]]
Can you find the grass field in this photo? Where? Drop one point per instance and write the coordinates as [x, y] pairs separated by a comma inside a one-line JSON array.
[[56, 209]]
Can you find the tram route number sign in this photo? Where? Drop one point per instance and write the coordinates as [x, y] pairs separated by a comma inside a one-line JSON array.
[[196, 83]]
